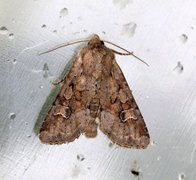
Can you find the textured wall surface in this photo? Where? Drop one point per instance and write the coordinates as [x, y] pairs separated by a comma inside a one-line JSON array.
[[163, 33]]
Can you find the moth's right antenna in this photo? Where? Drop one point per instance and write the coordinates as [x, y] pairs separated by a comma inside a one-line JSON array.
[[126, 54], [63, 45]]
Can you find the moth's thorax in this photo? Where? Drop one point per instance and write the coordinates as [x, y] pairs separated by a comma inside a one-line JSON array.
[[97, 59]]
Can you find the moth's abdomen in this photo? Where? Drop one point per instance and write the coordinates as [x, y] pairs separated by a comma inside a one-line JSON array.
[[94, 107]]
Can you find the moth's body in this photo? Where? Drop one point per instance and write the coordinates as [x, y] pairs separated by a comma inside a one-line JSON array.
[[95, 88]]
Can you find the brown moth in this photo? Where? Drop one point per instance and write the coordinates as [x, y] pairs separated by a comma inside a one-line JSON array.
[[95, 93]]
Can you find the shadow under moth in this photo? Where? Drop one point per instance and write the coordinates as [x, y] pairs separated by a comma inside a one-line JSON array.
[[95, 94]]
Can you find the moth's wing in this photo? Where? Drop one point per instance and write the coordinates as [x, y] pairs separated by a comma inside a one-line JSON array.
[[120, 117], [69, 115]]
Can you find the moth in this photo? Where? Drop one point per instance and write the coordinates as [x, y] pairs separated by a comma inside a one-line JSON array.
[[95, 94]]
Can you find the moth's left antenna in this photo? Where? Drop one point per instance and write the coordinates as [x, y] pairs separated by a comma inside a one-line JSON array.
[[62, 45]]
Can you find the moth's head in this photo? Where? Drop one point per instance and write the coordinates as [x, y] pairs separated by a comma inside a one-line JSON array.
[[95, 42]]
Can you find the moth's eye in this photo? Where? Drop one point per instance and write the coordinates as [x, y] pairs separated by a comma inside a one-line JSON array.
[[102, 42]]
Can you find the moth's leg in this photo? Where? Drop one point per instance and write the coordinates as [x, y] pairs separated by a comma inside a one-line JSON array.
[[57, 82]]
